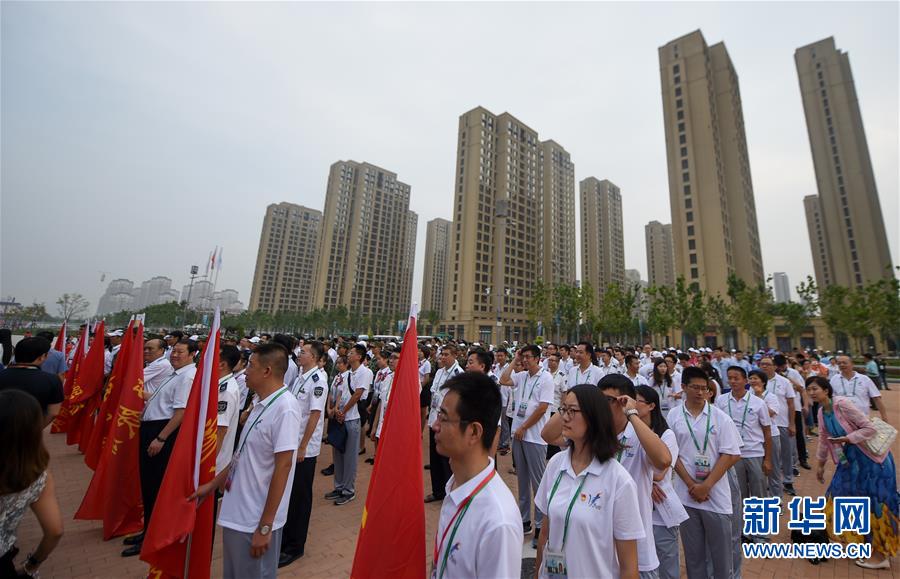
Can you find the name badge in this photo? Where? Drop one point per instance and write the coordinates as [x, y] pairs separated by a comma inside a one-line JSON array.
[[702, 467], [555, 564], [523, 406]]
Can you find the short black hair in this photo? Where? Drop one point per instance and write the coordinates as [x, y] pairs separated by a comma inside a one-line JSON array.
[[600, 435], [822, 383], [484, 357], [692, 372], [28, 350], [629, 358], [230, 355], [531, 349], [49, 336], [361, 350], [738, 369], [479, 401], [759, 374], [275, 355], [177, 334], [671, 356], [618, 382], [191, 345], [779, 360], [317, 347]]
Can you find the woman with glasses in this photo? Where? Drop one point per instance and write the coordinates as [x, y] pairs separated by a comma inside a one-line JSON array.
[[668, 512], [590, 500], [843, 431]]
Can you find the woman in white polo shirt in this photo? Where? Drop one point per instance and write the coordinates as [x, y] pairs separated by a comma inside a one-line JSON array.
[[591, 527]]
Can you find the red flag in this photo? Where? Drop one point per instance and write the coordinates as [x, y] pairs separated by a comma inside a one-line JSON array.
[[104, 423], [60, 345], [114, 494], [86, 389], [177, 522], [61, 422], [391, 540]]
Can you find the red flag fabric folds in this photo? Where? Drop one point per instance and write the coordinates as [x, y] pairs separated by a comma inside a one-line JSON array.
[[61, 422], [86, 390]]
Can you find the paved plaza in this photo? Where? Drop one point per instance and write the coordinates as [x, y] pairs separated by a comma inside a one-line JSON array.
[[332, 538]]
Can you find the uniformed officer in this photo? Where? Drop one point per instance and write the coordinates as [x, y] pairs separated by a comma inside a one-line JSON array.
[[440, 465], [310, 387]]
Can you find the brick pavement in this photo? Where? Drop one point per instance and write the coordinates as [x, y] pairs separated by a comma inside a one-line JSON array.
[[330, 548]]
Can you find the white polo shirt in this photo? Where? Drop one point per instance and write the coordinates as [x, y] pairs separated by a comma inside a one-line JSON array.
[[291, 373], [638, 465], [310, 389], [228, 413], [361, 378], [637, 379], [156, 372], [386, 382], [723, 439], [559, 387], [860, 389], [670, 512], [751, 416], [437, 393], [602, 513], [666, 393], [577, 376], [771, 403], [532, 390], [488, 541], [277, 430], [172, 394], [424, 370], [781, 388]]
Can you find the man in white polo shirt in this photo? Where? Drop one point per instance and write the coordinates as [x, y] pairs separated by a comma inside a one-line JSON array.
[[478, 532], [584, 371], [359, 380], [708, 445], [440, 467], [632, 367], [857, 387], [257, 482], [783, 391], [310, 388], [532, 397]]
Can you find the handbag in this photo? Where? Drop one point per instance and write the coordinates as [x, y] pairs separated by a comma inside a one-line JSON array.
[[337, 435], [885, 434]]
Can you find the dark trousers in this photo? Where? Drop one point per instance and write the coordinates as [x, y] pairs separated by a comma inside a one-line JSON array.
[[7, 564], [293, 541], [153, 468], [800, 435], [440, 468]]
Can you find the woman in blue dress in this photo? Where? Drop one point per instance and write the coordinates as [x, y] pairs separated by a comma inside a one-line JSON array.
[[843, 429]]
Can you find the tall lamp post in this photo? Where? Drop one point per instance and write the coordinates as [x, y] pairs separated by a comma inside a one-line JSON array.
[[187, 303]]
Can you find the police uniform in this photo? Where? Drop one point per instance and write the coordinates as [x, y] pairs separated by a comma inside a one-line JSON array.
[[440, 465]]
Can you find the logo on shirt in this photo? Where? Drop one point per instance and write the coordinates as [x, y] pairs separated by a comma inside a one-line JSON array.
[[315, 378], [223, 386], [453, 551], [318, 390], [593, 501], [223, 406]]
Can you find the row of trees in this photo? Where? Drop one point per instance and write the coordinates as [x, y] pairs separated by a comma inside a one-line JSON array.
[[69, 307]]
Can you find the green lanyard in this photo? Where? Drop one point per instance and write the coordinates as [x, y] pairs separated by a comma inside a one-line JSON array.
[[533, 385], [746, 408], [844, 384], [460, 513], [571, 504], [587, 375], [691, 430], [266, 407]]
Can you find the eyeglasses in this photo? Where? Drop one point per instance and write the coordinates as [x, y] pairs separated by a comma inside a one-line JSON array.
[[444, 419], [612, 399], [641, 401], [569, 411], [696, 386]]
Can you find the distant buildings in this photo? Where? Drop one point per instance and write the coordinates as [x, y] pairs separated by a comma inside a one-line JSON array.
[[122, 296], [602, 235], [437, 257], [782, 287], [660, 254]]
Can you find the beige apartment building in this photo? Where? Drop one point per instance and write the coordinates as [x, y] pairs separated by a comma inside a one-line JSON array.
[[286, 260], [850, 246], [602, 235], [714, 226], [500, 226], [437, 258], [367, 242], [558, 239], [660, 254]]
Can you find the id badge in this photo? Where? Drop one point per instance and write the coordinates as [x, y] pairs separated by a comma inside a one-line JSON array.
[[701, 467], [555, 564], [435, 403], [232, 470], [522, 408]]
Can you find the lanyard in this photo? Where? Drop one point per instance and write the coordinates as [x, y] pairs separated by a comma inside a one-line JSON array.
[[537, 377], [258, 416], [458, 517], [587, 375], [302, 384], [844, 384], [571, 504], [691, 430], [746, 409]]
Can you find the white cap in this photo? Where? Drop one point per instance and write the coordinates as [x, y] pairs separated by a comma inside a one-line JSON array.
[[254, 340], [115, 334], [195, 337]]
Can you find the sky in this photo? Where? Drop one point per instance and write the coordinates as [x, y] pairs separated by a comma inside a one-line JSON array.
[[135, 137]]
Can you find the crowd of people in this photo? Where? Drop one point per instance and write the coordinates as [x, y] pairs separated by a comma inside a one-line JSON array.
[[623, 457]]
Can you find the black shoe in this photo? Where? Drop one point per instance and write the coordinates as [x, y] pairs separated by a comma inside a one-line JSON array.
[[796, 471], [789, 489], [287, 558], [132, 551], [526, 529], [134, 539], [328, 470], [335, 494], [344, 499], [805, 465]]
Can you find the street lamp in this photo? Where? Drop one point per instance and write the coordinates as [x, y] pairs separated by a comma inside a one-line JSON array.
[[194, 270]]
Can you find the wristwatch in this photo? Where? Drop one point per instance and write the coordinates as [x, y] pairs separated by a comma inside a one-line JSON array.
[[264, 529], [162, 440], [631, 412]]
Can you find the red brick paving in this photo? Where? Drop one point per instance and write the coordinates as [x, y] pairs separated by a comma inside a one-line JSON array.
[[82, 553]]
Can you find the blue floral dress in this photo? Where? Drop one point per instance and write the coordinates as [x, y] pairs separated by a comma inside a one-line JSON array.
[[857, 475]]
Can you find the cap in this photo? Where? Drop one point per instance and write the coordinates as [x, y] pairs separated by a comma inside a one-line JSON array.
[[195, 337], [115, 333], [254, 340]]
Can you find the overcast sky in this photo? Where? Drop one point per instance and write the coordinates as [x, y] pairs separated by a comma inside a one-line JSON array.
[[138, 136]]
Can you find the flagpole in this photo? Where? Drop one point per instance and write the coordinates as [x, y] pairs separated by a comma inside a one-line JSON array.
[[187, 556]]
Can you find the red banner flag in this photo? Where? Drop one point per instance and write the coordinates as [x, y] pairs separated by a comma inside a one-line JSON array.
[[114, 494], [60, 345], [61, 422], [178, 542], [86, 389], [104, 423], [391, 540]]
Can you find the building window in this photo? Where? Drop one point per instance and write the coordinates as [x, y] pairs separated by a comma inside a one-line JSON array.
[[690, 231], [678, 103], [678, 91], [689, 216], [684, 164], [676, 69], [684, 151], [682, 140], [694, 273], [680, 115], [687, 203], [680, 127], [687, 189], [693, 259], [677, 79]]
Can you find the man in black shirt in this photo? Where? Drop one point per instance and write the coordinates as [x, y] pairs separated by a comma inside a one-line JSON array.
[[26, 374]]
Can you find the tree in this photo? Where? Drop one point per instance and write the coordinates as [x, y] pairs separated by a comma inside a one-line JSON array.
[[794, 317], [616, 319], [721, 315], [660, 319], [542, 305], [753, 307], [431, 317], [71, 306], [688, 309], [884, 308]]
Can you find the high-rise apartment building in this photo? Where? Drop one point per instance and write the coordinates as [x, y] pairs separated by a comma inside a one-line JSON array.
[[437, 259], [820, 252], [499, 234], [602, 235], [782, 287], [714, 226], [367, 242], [286, 260], [852, 225], [660, 254], [558, 186]]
